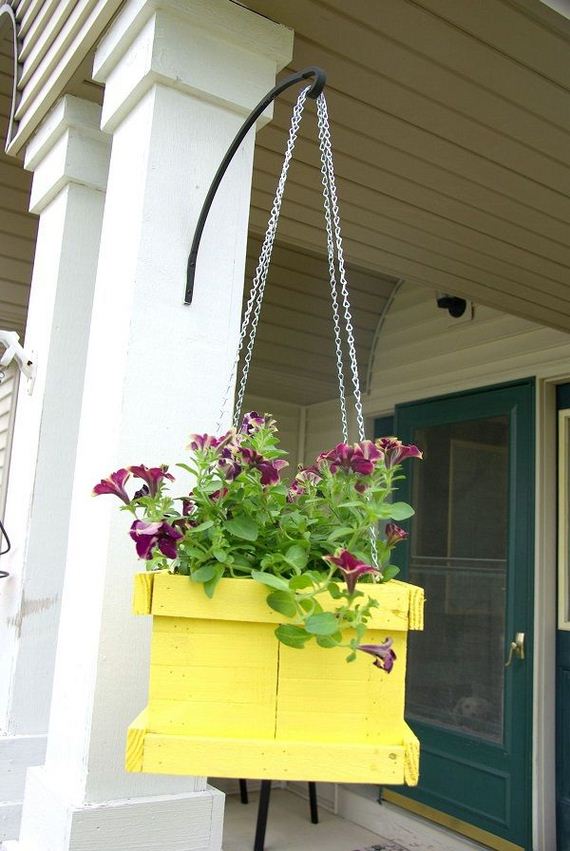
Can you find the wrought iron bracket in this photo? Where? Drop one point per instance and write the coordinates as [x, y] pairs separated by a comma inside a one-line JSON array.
[[315, 90]]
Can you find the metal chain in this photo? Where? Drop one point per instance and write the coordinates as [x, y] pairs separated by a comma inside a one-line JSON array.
[[325, 139], [260, 278], [334, 241], [333, 286], [331, 201]]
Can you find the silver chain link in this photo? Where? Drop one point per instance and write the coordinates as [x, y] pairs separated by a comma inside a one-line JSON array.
[[255, 301], [325, 141], [333, 286], [331, 203], [334, 241]]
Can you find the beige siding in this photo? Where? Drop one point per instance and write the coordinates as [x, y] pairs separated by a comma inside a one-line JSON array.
[[18, 227], [294, 347], [422, 352], [58, 36], [7, 410], [451, 130]]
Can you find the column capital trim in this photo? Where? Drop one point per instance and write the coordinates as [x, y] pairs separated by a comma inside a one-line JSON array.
[[69, 147], [223, 18], [70, 111], [214, 50]]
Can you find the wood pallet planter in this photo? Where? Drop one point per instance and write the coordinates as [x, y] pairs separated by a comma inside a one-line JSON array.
[[226, 699]]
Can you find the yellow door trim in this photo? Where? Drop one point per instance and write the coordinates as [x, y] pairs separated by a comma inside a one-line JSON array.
[[463, 827]]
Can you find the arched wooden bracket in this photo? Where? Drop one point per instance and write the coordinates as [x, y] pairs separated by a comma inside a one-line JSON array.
[[314, 91], [6, 9]]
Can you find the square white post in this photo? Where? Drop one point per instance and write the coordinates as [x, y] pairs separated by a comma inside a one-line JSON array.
[[180, 77], [70, 158]]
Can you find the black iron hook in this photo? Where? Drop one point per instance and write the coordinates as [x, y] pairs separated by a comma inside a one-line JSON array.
[[314, 91]]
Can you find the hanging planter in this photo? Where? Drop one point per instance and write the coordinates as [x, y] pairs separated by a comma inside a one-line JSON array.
[[227, 699], [279, 631]]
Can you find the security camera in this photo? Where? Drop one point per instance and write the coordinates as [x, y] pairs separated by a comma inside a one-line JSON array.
[[454, 305]]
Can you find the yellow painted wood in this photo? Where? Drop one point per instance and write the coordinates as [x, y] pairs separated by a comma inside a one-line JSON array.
[[135, 742], [244, 600], [227, 699], [304, 760], [142, 593]]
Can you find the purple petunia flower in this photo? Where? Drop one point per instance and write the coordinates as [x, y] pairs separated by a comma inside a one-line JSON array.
[[394, 451], [201, 442], [395, 534], [385, 656], [358, 458], [160, 534], [298, 486], [152, 476], [114, 484], [351, 568], [269, 469]]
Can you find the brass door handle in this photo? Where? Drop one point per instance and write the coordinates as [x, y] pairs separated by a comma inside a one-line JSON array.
[[516, 648]]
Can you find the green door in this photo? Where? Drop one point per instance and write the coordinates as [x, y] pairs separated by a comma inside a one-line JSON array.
[[471, 547], [563, 633]]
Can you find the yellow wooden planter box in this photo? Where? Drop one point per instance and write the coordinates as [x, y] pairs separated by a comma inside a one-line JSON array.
[[226, 699]]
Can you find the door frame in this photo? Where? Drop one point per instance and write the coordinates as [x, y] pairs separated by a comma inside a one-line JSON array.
[[545, 578]]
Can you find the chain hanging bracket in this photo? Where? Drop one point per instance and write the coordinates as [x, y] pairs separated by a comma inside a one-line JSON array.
[[340, 299]]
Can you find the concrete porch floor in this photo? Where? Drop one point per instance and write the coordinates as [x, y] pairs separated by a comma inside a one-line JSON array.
[[289, 829]]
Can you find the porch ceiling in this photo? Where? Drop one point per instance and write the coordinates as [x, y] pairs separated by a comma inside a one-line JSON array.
[[451, 130], [294, 356]]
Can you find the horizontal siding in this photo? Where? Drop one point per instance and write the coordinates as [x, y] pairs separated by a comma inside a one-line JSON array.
[[422, 352], [18, 228], [295, 347], [451, 131], [58, 36]]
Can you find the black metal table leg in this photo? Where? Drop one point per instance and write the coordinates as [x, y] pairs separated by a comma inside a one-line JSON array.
[[262, 813], [243, 792], [313, 803]]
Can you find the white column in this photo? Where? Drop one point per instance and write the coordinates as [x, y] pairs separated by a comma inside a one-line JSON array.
[[69, 157], [179, 81]]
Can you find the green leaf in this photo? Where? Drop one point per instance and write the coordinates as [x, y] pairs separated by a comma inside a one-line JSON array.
[[297, 557], [207, 524], [334, 591], [243, 527], [399, 511], [351, 657], [323, 623], [220, 555], [205, 573], [292, 636], [390, 572], [282, 602], [270, 580], [210, 585], [211, 486], [329, 640], [340, 533], [296, 583]]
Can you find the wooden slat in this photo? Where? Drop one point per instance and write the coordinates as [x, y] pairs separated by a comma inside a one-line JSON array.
[[245, 600]]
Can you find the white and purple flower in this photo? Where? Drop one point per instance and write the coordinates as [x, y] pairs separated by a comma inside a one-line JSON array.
[[159, 534], [115, 485], [350, 567], [383, 653]]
